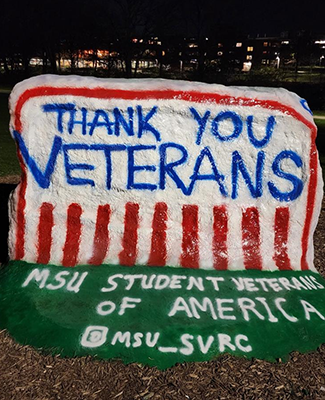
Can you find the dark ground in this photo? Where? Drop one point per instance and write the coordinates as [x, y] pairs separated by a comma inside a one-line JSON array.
[[27, 374]]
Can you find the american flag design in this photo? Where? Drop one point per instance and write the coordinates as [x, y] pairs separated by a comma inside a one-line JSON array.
[[138, 216]]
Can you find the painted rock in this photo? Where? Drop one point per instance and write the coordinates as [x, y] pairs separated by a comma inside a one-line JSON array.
[[222, 182], [157, 172]]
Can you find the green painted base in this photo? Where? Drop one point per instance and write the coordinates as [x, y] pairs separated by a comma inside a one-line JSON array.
[[162, 316]]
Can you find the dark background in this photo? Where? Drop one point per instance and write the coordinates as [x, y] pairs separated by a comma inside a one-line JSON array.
[[46, 29]]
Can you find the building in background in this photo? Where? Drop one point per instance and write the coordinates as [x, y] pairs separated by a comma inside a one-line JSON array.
[[298, 52]]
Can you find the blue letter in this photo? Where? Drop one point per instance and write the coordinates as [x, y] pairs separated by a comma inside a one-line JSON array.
[[168, 168], [119, 119], [93, 125], [238, 165], [202, 121], [133, 168], [73, 122], [269, 131], [296, 182], [60, 109], [43, 179], [303, 102], [144, 124], [215, 176], [236, 120], [108, 148], [70, 167]]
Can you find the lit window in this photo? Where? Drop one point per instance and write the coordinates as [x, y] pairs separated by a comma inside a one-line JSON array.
[[247, 66], [248, 57], [238, 44], [265, 44], [250, 48]]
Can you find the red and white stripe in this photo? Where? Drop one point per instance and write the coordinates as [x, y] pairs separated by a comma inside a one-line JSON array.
[[131, 242], [189, 235]]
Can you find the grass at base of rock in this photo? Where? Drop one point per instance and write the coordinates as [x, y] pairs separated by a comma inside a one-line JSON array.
[[8, 158]]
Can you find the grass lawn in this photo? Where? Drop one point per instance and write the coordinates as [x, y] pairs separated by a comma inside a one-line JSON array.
[[320, 113], [320, 141], [8, 160]]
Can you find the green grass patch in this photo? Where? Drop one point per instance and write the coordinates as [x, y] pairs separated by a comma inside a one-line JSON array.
[[320, 125], [8, 158], [320, 113]]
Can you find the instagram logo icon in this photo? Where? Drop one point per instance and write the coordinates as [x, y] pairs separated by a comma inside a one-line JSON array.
[[94, 336]]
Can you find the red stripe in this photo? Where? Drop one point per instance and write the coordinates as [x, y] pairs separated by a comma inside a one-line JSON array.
[[105, 93], [101, 239], [311, 197], [130, 238], [45, 227], [72, 241], [190, 243], [219, 242], [21, 221], [281, 232], [158, 252], [251, 238]]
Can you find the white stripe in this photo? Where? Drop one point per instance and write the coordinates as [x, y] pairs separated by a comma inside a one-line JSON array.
[[206, 237], [174, 234]]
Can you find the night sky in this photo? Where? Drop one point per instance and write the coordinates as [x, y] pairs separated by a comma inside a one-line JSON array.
[[265, 17], [34, 20], [275, 16]]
